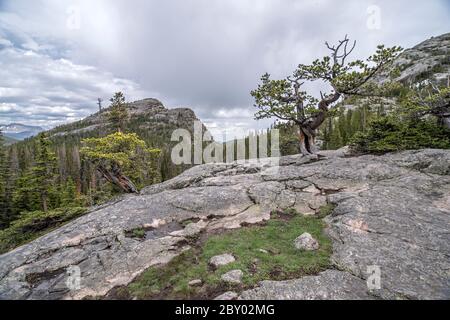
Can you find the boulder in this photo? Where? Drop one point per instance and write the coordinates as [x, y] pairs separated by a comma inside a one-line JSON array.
[[229, 295], [233, 276], [221, 260], [306, 242], [195, 282]]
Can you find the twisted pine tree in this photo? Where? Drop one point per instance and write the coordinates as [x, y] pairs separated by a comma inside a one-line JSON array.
[[119, 156], [285, 100]]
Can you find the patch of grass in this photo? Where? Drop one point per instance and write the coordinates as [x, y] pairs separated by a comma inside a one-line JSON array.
[[138, 232], [289, 213], [189, 221], [32, 225], [325, 210], [283, 260]]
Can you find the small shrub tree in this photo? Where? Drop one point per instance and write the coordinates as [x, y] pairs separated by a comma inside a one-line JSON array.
[[119, 156]]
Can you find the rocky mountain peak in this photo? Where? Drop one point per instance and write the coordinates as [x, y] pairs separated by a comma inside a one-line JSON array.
[[145, 105], [429, 60], [143, 115]]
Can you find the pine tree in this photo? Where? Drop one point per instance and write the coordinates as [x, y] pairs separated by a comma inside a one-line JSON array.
[[2, 169], [364, 116], [69, 194], [5, 185], [118, 112], [336, 140], [348, 127], [356, 121], [120, 156], [342, 129], [327, 130], [25, 197], [43, 171]]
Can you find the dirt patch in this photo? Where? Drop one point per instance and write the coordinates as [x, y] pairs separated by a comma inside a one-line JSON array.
[[34, 279]]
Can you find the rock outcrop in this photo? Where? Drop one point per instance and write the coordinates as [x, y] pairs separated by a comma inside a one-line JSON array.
[[428, 60], [147, 115], [392, 214]]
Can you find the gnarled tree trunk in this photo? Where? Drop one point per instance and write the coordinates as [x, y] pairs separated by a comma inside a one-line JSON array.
[[116, 177], [307, 130], [307, 140]]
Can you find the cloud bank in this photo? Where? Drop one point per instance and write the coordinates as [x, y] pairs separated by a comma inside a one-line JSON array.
[[57, 57]]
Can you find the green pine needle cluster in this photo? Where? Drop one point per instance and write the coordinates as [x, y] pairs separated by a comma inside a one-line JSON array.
[[387, 134]]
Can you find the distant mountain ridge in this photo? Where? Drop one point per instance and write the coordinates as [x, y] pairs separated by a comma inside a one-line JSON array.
[[148, 118], [18, 131], [147, 110]]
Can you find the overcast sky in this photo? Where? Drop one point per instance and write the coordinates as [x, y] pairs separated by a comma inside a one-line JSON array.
[[57, 57]]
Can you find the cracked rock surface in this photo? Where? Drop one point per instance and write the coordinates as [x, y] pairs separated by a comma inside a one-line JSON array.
[[392, 212], [329, 285]]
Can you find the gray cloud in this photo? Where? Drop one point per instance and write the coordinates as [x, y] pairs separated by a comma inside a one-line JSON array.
[[206, 55], [37, 89]]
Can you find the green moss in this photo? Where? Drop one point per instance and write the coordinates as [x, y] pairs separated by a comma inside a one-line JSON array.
[[290, 212], [32, 225], [138, 232], [282, 260], [188, 221], [325, 210]]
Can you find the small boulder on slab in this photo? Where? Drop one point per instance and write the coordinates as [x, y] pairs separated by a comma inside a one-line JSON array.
[[221, 260], [229, 295], [233, 277], [306, 242]]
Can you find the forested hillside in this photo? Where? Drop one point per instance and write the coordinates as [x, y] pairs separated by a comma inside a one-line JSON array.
[[46, 180]]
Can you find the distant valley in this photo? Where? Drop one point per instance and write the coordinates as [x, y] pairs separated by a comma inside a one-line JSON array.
[[18, 131]]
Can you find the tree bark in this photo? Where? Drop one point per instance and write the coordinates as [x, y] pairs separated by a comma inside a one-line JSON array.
[[116, 177], [307, 131], [310, 139], [307, 140], [303, 142], [44, 203], [323, 109]]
